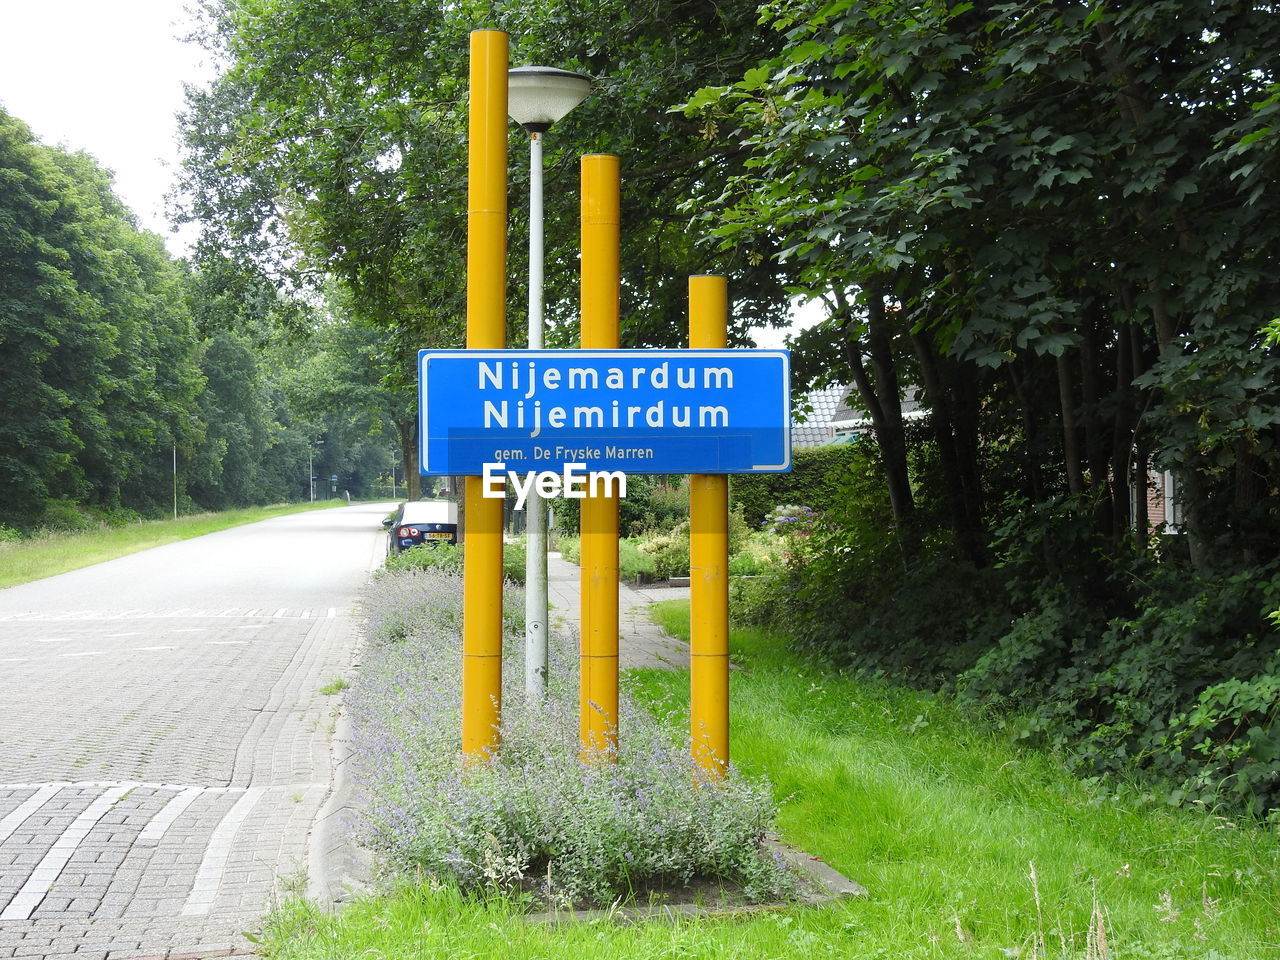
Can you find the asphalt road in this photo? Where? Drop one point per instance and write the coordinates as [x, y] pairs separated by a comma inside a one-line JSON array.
[[164, 745]]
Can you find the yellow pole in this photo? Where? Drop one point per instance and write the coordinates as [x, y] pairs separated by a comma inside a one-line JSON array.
[[709, 560], [598, 689], [486, 329]]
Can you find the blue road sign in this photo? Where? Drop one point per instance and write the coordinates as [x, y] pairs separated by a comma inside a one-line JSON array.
[[636, 411]]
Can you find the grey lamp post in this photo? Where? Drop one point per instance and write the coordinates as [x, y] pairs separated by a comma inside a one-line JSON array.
[[536, 98], [311, 470]]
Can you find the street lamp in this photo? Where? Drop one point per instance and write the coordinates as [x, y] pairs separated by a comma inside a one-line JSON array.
[[536, 98], [311, 470]]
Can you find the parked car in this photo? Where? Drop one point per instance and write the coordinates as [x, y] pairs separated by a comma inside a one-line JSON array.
[[422, 521]]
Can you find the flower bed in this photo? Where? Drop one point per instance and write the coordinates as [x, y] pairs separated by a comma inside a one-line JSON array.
[[535, 818]]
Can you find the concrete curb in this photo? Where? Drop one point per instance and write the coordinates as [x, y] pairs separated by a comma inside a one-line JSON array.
[[338, 869], [824, 885], [828, 884]]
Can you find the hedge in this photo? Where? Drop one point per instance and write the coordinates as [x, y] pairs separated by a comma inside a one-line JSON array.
[[814, 481]]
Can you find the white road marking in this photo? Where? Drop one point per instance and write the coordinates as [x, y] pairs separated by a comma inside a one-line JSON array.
[[84, 653], [50, 639], [227, 643], [140, 785], [133, 634], [183, 614], [155, 829], [188, 630], [155, 648], [209, 876], [47, 870], [27, 808], [14, 659]]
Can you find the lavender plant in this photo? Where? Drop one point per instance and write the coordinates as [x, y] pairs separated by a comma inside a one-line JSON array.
[[535, 817]]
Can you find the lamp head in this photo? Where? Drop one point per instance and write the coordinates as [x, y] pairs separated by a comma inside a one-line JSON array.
[[539, 96]]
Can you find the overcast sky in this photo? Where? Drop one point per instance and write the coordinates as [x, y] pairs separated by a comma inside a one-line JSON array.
[[104, 76]]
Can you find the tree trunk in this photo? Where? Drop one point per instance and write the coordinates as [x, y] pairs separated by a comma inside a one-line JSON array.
[[1033, 469], [960, 482], [408, 430], [881, 400], [886, 386], [893, 454], [1249, 490], [1122, 435], [1070, 436]]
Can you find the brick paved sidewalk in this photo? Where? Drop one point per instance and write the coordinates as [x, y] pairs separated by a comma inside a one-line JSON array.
[[641, 642], [163, 819], [167, 737]]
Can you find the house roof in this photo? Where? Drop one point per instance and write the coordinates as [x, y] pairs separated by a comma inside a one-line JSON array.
[[815, 427], [849, 415]]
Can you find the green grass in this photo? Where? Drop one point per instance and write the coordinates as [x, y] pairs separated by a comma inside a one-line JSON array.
[[52, 553], [334, 687], [943, 821]]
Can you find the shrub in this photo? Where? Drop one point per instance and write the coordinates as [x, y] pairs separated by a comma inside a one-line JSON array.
[[570, 548], [1233, 735], [447, 558], [1188, 688], [634, 565], [9, 535], [513, 561], [67, 516], [653, 504], [116, 516], [444, 557], [668, 552], [1125, 664], [817, 479], [535, 816], [791, 520], [566, 516], [755, 555]]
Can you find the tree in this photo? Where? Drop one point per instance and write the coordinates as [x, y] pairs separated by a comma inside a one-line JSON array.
[[1056, 208], [98, 376], [333, 144], [37, 295]]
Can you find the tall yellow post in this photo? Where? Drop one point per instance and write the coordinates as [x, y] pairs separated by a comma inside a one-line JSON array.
[[709, 560], [486, 329], [598, 691]]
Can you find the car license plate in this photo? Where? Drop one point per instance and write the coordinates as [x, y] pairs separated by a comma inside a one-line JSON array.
[[439, 536]]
